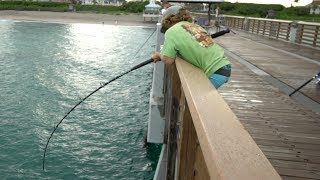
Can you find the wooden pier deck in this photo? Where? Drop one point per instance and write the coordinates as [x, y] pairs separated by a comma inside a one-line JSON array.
[[264, 72]]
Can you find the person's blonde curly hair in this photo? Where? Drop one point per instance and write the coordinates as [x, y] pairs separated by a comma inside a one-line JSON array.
[[182, 15]]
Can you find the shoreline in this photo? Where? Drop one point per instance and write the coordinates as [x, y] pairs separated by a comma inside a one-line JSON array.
[[74, 17]]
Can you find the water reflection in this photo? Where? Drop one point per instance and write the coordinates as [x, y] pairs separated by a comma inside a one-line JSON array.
[[47, 68]]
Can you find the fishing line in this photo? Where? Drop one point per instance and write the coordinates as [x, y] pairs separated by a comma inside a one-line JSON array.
[[144, 43], [101, 86]]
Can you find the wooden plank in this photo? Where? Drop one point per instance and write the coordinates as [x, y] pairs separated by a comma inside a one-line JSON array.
[[298, 173], [228, 154], [286, 143], [295, 178], [181, 139], [173, 96], [295, 165], [291, 157], [188, 147], [301, 132], [306, 152], [201, 170]]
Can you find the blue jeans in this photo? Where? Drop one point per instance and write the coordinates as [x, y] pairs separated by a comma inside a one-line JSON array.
[[217, 79]]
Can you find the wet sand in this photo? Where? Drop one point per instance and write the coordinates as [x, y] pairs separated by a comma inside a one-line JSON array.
[[74, 17]]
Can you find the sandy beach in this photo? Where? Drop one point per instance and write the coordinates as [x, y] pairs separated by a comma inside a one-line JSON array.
[[74, 17]]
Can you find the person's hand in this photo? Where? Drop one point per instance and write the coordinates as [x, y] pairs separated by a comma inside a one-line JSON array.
[[155, 56]]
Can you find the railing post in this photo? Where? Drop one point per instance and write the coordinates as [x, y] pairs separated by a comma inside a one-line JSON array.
[[315, 36], [278, 30], [242, 24], [272, 31], [246, 24], [264, 27], [293, 31], [253, 24], [238, 22]]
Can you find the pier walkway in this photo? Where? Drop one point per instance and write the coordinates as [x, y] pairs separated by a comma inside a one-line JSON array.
[[265, 71]]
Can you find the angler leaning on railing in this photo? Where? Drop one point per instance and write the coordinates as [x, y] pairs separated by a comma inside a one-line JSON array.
[[299, 32]]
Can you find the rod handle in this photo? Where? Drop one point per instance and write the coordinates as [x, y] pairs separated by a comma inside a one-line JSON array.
[[141, 64]]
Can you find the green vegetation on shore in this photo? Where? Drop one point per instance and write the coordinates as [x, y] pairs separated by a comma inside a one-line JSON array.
[[33, 6], [237, 9], [126, 7], [261, 10]]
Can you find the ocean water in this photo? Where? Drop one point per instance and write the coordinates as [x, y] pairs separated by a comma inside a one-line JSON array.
[[45, 69]]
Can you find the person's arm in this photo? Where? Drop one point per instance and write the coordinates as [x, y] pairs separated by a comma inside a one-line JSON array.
[[156, 56]]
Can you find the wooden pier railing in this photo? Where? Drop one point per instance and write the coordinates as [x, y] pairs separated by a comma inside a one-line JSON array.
[[204, 138], [299, 32]]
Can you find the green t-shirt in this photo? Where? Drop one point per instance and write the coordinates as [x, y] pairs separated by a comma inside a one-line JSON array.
[[193, 44]]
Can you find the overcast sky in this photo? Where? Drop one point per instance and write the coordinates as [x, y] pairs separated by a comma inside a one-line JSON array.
[[286, 3]]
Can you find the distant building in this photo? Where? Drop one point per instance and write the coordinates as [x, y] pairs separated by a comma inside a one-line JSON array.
[[102, 2], [152, 8], [315, 7], [91, 2]]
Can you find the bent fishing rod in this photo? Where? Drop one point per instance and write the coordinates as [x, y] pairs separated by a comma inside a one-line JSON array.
[[101, 86]]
